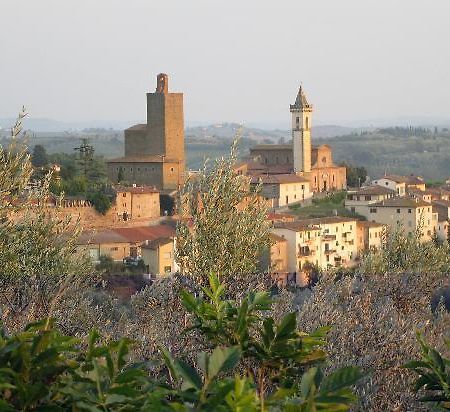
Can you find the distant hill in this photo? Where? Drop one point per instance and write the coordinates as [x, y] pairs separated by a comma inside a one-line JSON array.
[[424, 151]]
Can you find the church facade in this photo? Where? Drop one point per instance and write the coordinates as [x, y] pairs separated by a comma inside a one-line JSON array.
[[154, 151], [301, 158]]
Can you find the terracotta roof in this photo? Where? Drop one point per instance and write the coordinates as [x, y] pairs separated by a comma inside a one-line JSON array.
[[401, 202], [365, 223], [142, 159], [373, 190], [100, 236], [154, 244], [412, 180], [297, 226], [444, 203], [328, 220], [280, 216], [277, 238], [278, 179], [139, 234], [137, 189]]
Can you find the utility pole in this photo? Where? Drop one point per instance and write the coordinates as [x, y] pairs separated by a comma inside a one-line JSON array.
[[86, 154]]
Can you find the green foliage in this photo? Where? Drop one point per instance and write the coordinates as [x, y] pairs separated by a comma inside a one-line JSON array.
[[401, 251], [225, 229], [101, 202], [434, 375], [356, 176], [330, 205], [45, 370], [39, 157], [279, 358]]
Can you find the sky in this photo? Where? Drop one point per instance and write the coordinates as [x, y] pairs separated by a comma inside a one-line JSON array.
[[359, 61]]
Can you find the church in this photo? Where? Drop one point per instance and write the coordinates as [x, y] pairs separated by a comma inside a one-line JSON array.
[[314, 163], [154, 151]]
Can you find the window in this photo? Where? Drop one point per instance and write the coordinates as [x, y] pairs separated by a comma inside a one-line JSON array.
[[124, 195], [373, 210], [409, 210], [139, 169], [352, 209], [303, 187], [307, 123], [367, 197], [167, 269], [114, 249], [167, 255], [171, 169], [398, 210], [387, 184]]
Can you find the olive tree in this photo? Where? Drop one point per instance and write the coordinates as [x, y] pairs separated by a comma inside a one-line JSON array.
[[41, 273], [224, 229]]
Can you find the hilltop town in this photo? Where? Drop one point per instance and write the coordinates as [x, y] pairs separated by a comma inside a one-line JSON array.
[[295, 180]]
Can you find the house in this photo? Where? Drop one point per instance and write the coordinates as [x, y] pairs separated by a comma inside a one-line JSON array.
[[357, 200], [370, 235], [119, 243], [325, 242], [400, 183], [159, 256], [283, 189], [411, 213], [137, 203]]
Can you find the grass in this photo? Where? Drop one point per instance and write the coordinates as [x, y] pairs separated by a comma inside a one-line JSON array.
[[331, 205]]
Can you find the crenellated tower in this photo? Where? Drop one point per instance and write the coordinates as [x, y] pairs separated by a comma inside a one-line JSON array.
[[301, 132]]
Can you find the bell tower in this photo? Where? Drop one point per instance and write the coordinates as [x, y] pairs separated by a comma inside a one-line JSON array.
[[301, 112]]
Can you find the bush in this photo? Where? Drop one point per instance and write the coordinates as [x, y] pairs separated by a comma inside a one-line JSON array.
[[252, 364]]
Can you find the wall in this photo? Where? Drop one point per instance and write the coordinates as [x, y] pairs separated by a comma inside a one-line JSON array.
[[139, 173], [410, 218], [400, 188], [328, 178], [274, 157]]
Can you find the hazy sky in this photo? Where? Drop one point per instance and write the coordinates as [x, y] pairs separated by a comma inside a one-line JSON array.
[[235, 60]]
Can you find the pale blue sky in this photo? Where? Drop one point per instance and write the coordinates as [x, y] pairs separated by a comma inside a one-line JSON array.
[[234, 60]]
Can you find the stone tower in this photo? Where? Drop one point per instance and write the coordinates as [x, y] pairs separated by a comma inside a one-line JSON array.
[[154, 151], [301, 133]]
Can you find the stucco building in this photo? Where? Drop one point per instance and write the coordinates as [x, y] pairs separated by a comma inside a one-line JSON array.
[[154, 151], [282, 189], [314, 163], [326, 242]]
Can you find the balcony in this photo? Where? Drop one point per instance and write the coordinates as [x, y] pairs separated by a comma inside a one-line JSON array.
[[329, 251], [329, 237]]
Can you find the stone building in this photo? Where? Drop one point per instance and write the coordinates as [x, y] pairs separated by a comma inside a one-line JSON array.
[[314, 163], [154, 151]]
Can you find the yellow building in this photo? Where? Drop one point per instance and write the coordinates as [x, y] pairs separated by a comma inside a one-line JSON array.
[[283, 189], [159, 256], [400, 184], [412, 214], [326, 242], [370, 235], [137, 203], [358, 200]]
